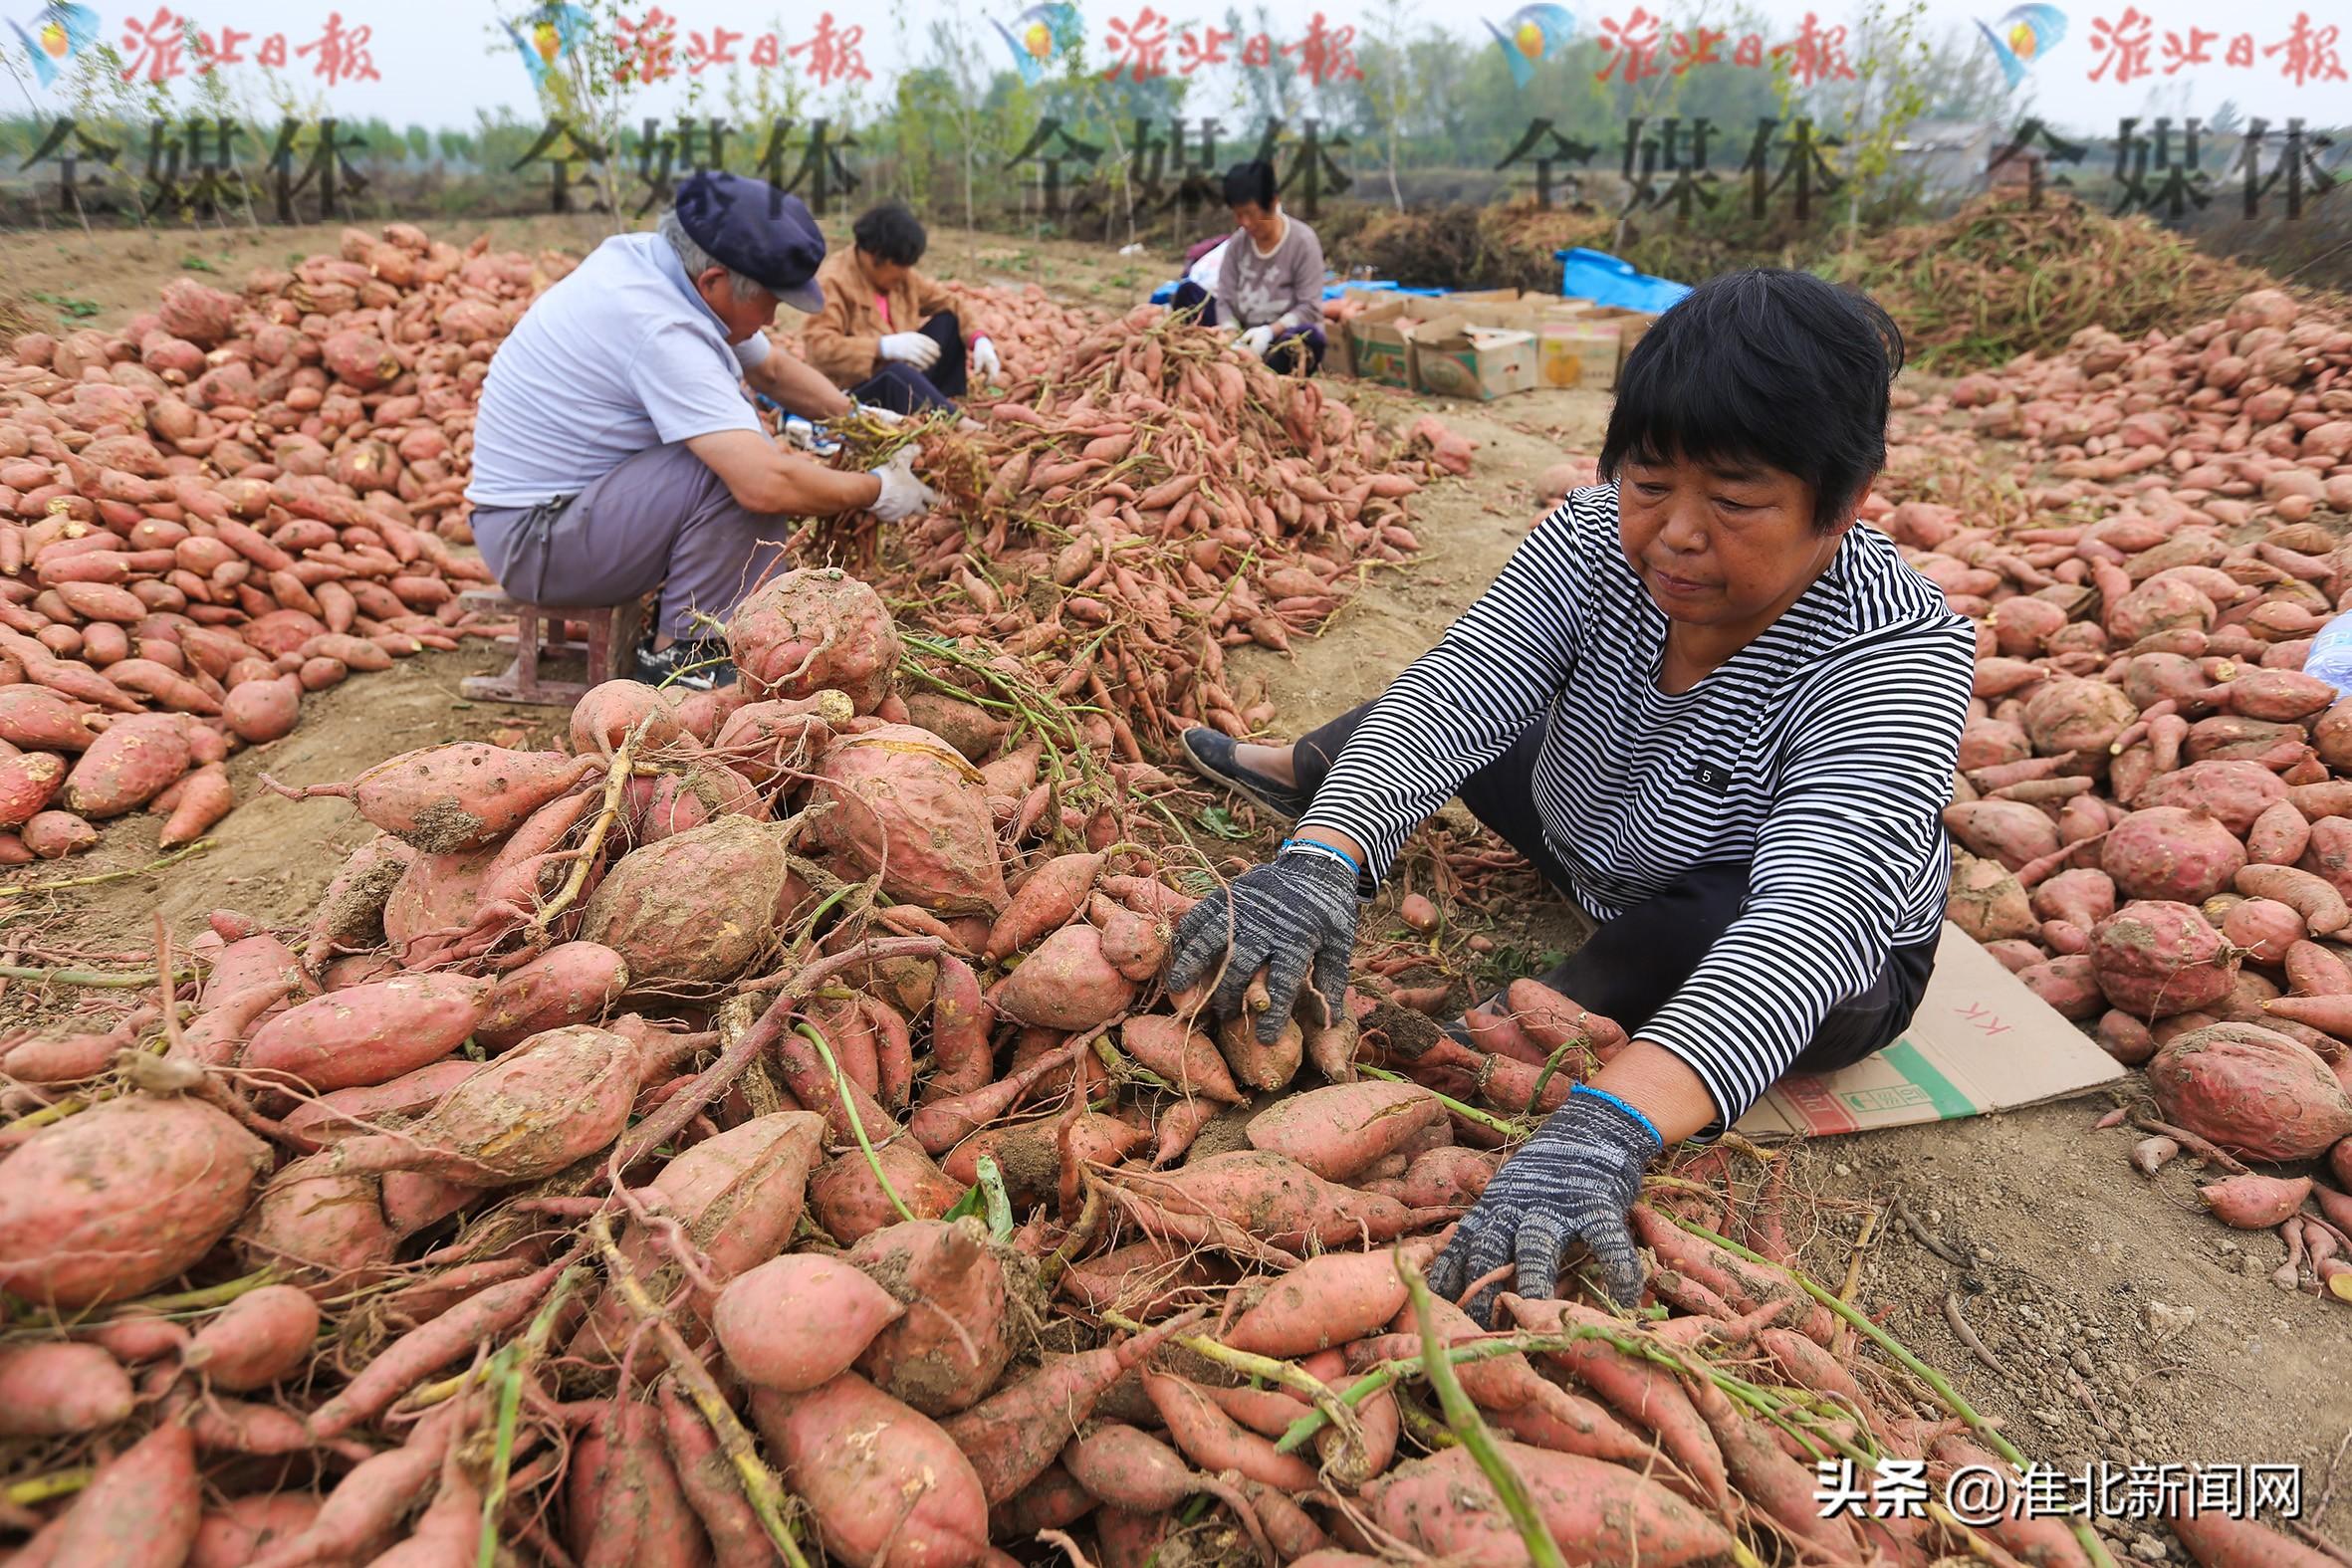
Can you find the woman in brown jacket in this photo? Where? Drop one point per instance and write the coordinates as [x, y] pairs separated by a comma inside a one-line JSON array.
[[887, 334]]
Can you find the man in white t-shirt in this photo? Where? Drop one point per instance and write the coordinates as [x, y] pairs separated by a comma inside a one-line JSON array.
[[616, 450]]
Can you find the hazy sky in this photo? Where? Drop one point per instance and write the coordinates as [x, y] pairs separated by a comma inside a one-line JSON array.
[[439, 61]]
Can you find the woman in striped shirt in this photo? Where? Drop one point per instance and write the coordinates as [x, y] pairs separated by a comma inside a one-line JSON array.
[[1711, 710]]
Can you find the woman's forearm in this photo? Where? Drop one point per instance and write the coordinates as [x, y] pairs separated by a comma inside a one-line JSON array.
[[1660, 1085]]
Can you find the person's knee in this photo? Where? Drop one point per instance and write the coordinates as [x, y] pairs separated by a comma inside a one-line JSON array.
[[946, 322]]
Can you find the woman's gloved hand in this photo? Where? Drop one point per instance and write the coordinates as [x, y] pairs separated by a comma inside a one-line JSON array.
[[1297, 912], [916, 349], [1257, 341], [985, 362], [1574, 1181], [902, 495]]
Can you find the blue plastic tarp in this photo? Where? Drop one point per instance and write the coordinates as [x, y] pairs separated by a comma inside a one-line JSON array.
[[1604, 280]]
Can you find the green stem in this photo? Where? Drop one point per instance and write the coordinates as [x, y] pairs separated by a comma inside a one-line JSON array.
[[1485, 1119], [1463, 1417], [2092, 1547], [993, 1194], [873, 1161], [100, 877], [511, 1366], [221, 1295], [43, 1489]]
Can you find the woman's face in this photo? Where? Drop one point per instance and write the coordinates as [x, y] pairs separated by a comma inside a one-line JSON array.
[[883, 275], [1722, 545], [1262, 224]]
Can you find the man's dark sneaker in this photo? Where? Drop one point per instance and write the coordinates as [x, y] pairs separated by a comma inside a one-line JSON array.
[[697, 666], [1211, 754]]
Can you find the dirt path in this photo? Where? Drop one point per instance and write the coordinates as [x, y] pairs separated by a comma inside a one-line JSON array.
[[2127, 1326]]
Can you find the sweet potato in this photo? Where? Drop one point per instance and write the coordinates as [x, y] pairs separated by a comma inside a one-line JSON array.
[[1180, 1055], [1264, 1066], [556, 1096], [2070, 714], [114, 1200], [1325, 1301], [2009, 831], [2168, 853], [241, 1530], [1132, 1471], [812, 628], [2265, 928], [2279, 836], [2071, 984], [954, 1339], [256, 1340], [1051, 895], [51, 1390], [53, 835], [2235, 793], [1443, 1505], [711, 1485], [458, 797], [887, 1486], [2156, 958], [28, 782], [369, 1033], [323, 1231], [140, 1510], [1269, 1196], [692, 910], [797, 1322], [2253, 1201], [128, 766], [1337, 1132], [2217, 1540], [849, 1203], [777, 739], [205, 796], [1215, 1441], [904, 804], [571, 982], [259, 712], [2321, 907], [1988, 902], [609, 714], [1065, 984], [628, 1505], [431, 1346], [2253, 1091], [1014, 1434], [738, 1197]]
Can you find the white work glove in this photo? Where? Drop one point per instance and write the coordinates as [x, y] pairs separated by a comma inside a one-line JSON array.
[[1257, 341], [985, 362], [878, 414], [902, 495], [911, 348]]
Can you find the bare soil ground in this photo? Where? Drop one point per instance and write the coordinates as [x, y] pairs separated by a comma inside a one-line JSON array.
[[2120, 1323]]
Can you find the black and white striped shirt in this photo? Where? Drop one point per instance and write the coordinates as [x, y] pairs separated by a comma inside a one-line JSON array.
[[1822, 752]]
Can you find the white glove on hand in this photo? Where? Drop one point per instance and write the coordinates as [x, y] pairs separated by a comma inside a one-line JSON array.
[[985, 362], [1257, 341], [879, 414], [911, 348], [902, 495]]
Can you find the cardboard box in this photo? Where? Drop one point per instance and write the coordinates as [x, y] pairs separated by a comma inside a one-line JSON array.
[[1377, 348], [1454, 357], [1338, 357], [1576, 353], [1981, 1041], [1631, 326]]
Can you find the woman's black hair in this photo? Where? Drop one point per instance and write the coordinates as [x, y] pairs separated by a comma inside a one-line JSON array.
[[1250, 184], [1763, 365], [891, 233]]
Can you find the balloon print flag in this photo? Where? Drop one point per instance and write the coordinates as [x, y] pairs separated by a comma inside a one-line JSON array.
[[2022, 37], [60, 32], [1533, 33], [545, 34], [1038, 35]]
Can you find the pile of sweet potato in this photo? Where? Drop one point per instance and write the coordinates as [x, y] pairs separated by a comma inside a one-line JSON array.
[[760, 1129], [235, 500], [1142, 499], [2154, 805]]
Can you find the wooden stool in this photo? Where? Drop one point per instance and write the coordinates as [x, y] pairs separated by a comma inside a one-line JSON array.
[[610, 651]]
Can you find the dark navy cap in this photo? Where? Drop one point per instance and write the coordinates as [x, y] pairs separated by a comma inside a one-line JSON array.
[[759, 231]]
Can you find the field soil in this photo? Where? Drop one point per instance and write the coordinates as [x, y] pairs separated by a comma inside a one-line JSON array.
[[2119, 1324]]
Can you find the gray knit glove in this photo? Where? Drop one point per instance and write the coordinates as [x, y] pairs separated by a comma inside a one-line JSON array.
[[1573, 1181], [1296, 911]]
